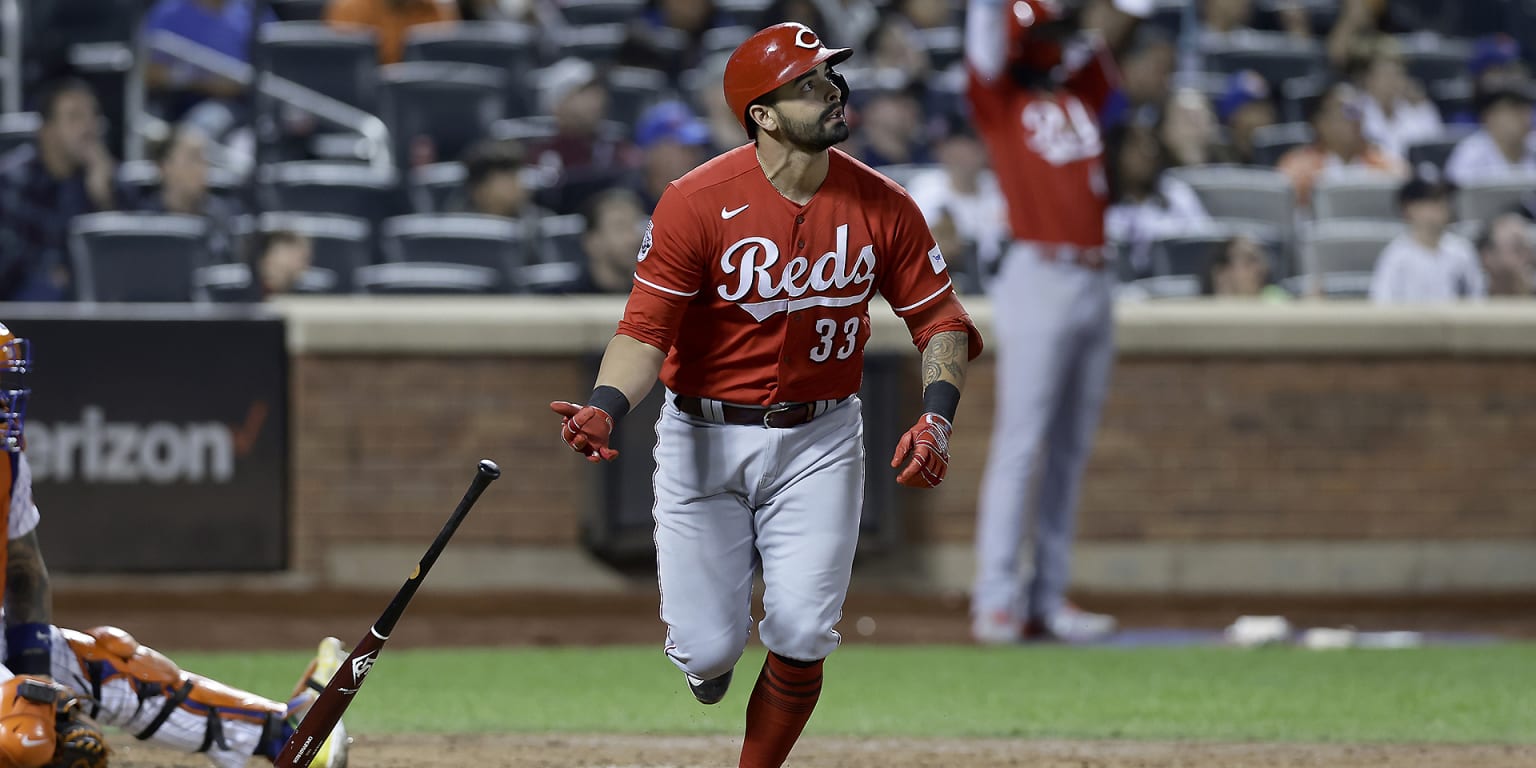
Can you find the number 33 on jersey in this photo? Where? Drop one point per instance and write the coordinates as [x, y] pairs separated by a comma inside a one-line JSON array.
[[773, 297]]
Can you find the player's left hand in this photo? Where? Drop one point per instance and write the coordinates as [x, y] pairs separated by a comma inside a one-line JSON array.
[[587, 429], [923, 453]]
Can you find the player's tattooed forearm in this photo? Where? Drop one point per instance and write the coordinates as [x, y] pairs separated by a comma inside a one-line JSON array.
[[945, 358], [27, 595]]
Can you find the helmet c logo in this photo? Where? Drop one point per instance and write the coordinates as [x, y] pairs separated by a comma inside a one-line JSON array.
[[805, 38]]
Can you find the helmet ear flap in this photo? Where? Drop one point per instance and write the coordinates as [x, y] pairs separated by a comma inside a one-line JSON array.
[[841, 83]]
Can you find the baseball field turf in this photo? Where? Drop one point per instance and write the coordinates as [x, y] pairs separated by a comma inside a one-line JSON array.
[[1138, 701]]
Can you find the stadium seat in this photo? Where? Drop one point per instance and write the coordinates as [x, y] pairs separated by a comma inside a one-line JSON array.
[[18, 128], [143, 177], [1345, 245], [491, 242], [340, 244], [1429, 57], [725, 39], [449, 103], [1242, 192], [1485, 199], [1331, 285], [631, 90], [1437, 151], [1299, 95], [1190, 253], [137, 256], [560, 239], [426, 278], [323, 187], [903, 173], [945, 46], [1277, 57], [341, 64], [580, 13], [508, 46], [1356, 196], [226, 283], [598, 43], [434, 186], [1451, 97], [1270, 142], [1161, 287], [742, 8]]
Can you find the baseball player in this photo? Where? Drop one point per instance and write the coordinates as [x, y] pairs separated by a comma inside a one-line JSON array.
[[58, 683], [1036, 85], [751, 300]]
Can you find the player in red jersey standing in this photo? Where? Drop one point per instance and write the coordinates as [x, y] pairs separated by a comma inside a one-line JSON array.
[[1037, 85], [751, 301]]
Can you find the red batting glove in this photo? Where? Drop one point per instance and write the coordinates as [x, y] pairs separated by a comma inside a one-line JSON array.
[[924, 449], [586, 428]]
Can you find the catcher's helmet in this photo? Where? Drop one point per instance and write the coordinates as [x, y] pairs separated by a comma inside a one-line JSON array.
[[27, 711], [15, 360], [771, 58]]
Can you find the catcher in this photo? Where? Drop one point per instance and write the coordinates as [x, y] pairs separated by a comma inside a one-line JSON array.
[[59, 683]]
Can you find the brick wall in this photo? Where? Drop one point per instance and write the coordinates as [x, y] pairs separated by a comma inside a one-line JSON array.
[[1191, 448]]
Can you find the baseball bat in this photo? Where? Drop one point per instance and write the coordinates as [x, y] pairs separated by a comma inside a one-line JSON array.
[[333, 701]]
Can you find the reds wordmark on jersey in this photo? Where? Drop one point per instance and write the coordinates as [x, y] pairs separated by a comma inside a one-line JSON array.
[[770, 299]]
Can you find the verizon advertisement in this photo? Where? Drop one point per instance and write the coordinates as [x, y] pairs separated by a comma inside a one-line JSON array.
[[158, 444]]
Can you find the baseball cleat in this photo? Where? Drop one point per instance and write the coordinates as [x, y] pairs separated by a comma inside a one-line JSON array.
[[710, 691], [328, 658]]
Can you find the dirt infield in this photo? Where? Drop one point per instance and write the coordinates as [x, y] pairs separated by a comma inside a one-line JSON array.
[[647, 752]]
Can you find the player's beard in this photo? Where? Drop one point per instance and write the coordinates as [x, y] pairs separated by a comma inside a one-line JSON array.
[[818, 135]]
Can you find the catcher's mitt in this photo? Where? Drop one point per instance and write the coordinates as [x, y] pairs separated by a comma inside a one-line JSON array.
[[80, 741]]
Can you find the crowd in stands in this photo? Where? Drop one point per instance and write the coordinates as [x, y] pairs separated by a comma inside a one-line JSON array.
[[1283, 149]]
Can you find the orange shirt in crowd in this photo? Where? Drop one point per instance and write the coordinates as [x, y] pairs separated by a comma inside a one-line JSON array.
[[390, 19], [1304, 165]]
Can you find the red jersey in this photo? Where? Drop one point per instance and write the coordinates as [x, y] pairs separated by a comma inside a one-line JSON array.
[[760, 300], [1047, 152]]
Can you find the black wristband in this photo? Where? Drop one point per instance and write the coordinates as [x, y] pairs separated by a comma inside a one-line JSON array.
[[943, 398], [611, 400]]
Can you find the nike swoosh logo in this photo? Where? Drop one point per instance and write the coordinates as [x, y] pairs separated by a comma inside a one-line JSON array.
[[26, 742], [724, 214]]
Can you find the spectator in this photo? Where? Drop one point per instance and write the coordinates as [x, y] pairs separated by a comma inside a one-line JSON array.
[[927, 14], [893, 45], [186, 91], [1246, 106], [651, 45], [1495, 60], [66, 172], [183, 163], [1239, 268], [1145, 203], [278, 262], [890, 128], [855, 20], [1188, 130], [1504, 144], [615, 225], [963, 191], [493, 182], [1507, 255], [1146, 73], [672, 142], [807, 12], [1340, 144], [1224, 17], [1394, 110], [724, 128], [390, 19], [1358, 21], [1427, 263], [584, 157]]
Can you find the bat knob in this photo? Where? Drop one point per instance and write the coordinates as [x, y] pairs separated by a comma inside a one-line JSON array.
[[489, 469]]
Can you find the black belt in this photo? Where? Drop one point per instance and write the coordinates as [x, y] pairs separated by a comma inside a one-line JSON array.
[[781, 416]]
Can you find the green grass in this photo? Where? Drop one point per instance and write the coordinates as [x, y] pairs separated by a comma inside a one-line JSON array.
[[1447, 694]]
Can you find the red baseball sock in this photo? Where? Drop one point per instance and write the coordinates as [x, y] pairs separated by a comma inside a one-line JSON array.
[[781, 703]]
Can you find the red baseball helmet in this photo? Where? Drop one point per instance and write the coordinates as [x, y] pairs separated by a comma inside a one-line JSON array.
[[771, 58]]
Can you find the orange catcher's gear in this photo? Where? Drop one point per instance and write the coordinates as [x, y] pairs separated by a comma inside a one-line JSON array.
[[28, 723], [771, 58]]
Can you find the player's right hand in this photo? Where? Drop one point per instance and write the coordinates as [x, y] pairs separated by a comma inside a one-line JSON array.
[[586, 428]]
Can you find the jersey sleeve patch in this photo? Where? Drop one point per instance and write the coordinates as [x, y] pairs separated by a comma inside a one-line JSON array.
[[936, 259]]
